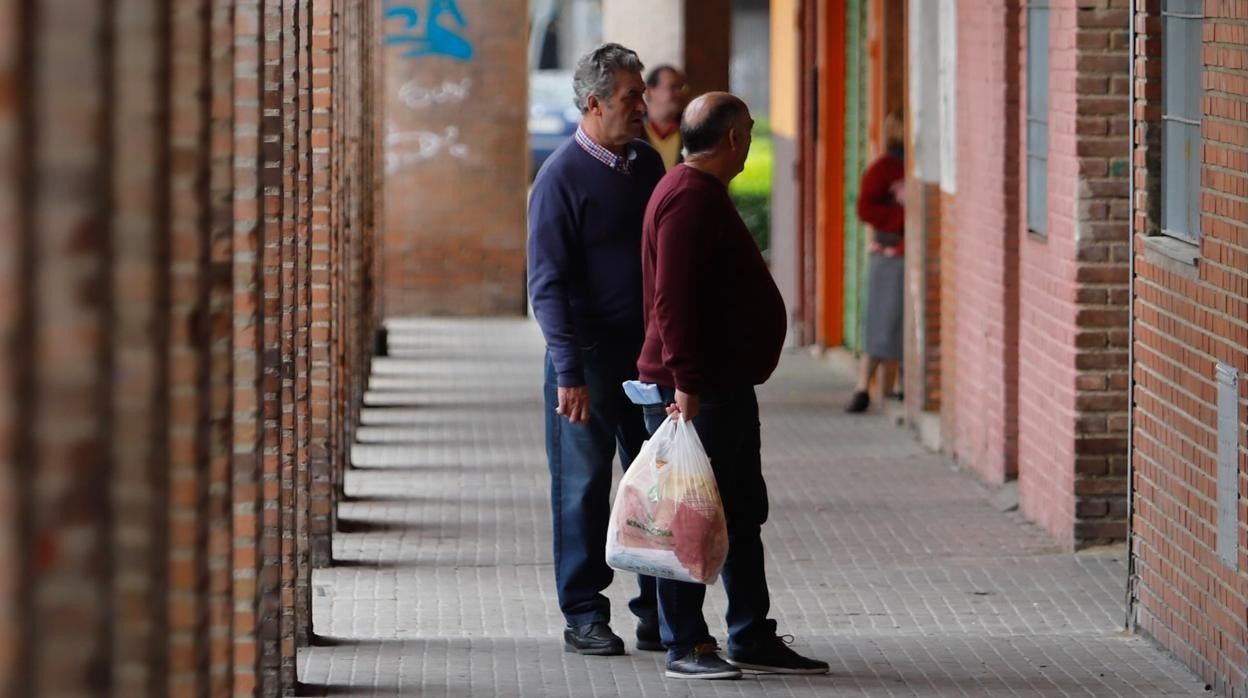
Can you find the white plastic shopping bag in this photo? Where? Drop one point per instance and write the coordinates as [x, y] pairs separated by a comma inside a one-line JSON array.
[[668, 518]]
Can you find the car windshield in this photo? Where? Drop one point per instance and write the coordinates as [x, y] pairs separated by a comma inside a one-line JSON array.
[[551, 88]]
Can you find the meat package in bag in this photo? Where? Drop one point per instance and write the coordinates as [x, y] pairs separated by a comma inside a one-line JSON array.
[[668, 519]]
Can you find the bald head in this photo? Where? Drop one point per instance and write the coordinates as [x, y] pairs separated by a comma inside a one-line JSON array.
[[709, 118]]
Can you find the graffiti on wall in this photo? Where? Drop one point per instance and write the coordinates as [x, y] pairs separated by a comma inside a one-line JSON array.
[[430, 28], [408, 147], [419, 96]]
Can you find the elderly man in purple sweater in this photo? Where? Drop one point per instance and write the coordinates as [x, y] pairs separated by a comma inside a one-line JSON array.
[[584, 254]]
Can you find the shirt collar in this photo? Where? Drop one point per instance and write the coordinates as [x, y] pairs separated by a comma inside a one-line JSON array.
[[663, 133], [619, 163]]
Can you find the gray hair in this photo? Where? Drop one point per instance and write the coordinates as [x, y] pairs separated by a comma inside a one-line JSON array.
[[595, 72]]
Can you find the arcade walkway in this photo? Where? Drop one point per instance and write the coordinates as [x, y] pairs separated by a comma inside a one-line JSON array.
[[883, 559]]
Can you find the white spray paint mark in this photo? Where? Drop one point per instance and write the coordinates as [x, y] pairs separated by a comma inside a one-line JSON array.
[[407, 147], [418, 96]]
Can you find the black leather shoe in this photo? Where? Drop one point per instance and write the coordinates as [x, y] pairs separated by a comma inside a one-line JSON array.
[[773, 656], [592, 638], [702, 663], [648, 639], [859, 402]]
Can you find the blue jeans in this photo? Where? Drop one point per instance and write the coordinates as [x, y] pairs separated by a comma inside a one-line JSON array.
[[728, 426], [580, 483]]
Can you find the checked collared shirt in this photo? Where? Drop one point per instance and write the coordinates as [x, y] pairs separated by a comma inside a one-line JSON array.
[[619, 163]]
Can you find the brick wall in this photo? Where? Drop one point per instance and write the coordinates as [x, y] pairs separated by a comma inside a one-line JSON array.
[[1187, 317], [1073, 276], [456, 163], [14, 356], [167, 320], [984, 417]]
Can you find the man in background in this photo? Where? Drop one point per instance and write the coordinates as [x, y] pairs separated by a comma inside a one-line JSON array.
[[666, 92]]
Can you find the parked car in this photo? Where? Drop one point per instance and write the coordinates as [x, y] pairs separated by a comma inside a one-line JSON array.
[[553, 116]]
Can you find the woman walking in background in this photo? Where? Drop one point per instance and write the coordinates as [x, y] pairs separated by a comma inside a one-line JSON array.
[[880, 205]]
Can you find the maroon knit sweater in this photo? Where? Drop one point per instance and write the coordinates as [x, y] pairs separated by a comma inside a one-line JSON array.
[[714, 317]]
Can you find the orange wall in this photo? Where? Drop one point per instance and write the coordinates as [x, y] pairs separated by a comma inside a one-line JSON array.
[[831, 179]]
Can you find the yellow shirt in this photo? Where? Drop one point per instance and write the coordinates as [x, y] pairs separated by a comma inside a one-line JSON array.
[[669, 148]]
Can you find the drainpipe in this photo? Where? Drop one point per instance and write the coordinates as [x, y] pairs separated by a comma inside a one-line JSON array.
[[1129, 621]]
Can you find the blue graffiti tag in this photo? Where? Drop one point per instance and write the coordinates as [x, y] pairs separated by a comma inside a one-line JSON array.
[[434, 39]]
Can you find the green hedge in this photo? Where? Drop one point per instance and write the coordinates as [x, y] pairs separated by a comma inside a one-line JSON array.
[[751, 190], [755, 210]]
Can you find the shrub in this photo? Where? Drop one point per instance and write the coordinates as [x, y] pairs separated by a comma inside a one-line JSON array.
[[751, 190]]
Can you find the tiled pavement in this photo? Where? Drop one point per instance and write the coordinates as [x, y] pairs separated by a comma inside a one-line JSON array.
[[883, 559]]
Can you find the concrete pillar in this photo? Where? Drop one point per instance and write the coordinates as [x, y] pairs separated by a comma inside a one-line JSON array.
[[695, 35], [580, 30]]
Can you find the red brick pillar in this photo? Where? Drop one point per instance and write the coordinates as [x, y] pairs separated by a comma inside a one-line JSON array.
[[271, 355], [303, 321], [1101, 400], [190, 351], [456, 160], [220, 383], [67, 398], [13, 352], [138, 285], [248, 417], [164, 224], [321, 504], [1073, 336]]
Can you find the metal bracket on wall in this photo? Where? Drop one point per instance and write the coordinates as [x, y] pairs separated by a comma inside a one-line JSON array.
[[1228, 464]]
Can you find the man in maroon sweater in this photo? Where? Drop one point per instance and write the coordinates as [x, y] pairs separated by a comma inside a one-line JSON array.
[[715, 325]]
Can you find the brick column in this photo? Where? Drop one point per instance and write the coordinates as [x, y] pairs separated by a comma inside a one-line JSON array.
[[190, 350], [138, 260], [1101, 399], [1072, 414], [220, 475], [164, 226], [303, 322], [248, 442], [272, 245], [456, 162], [14, 353], [67, 394], [321, 517]]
